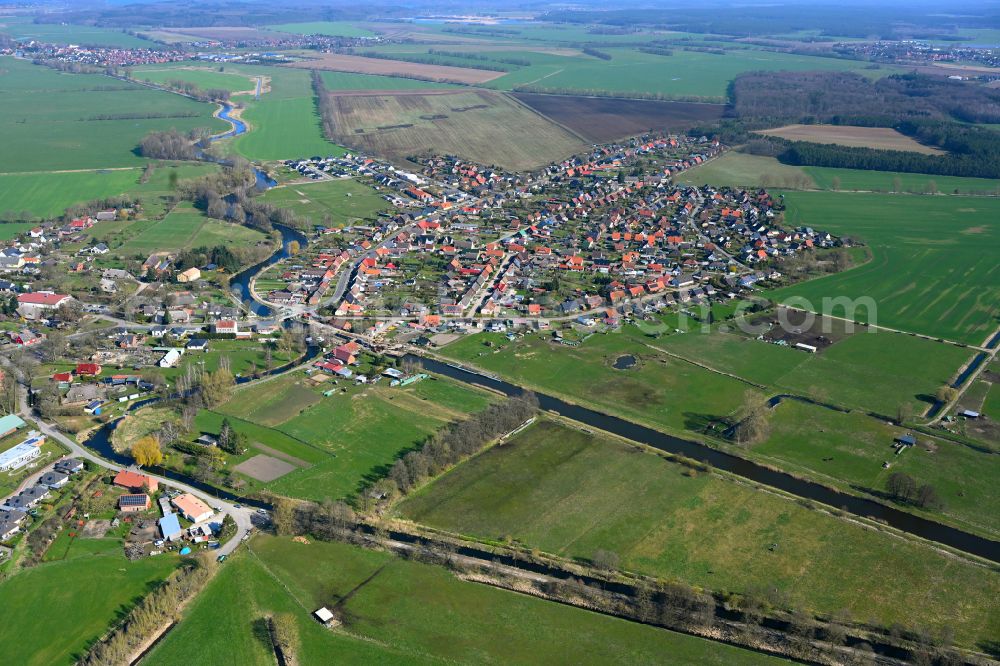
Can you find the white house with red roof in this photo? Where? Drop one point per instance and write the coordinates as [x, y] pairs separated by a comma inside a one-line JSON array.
[[40, 304]]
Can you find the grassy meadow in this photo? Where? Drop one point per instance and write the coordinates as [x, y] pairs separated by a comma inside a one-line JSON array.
[[572, 493], [847, 450], [49, 194], [342, 201], [96, 582], [185, 227], [868, 371], [284, 123], [933, 269], [202, 75], [67, 33], [51, 121], [404, 612], [872, 372], [353, 435]]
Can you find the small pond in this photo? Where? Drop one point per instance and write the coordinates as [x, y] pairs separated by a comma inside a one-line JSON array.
[[625, 362]]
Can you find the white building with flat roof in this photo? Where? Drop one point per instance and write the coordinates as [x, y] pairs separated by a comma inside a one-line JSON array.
[[19, 456]]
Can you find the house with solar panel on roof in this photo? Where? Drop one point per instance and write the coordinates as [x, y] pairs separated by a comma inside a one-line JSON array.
[[133, 503]]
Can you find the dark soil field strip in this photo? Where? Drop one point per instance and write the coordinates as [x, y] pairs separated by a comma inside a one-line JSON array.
[[602, 119]]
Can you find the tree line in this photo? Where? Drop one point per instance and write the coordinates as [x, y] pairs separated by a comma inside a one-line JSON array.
[[453, 444], [191, 90], [158, 607], [143, 116], [594, 53]]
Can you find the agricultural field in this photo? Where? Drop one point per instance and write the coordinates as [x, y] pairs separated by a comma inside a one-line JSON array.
[[883, 138], [341, 201], [198, 74], [284, 123], [735, 169], [541, 490], [329, 28], [888, 181], [601, 120], [345, 81], [49, 194], [438, 617], [225, 33], [361, 65], [738, 169], [932, 270], [183, 228], [97, 582], [482, 126], [352, 435], [685, 75], [66, 33], [53, 121]]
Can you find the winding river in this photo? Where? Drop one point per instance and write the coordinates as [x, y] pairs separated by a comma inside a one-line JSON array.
[[240, 283]]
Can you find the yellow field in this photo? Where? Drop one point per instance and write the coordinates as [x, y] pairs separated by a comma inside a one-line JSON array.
[[883, 138], [483, 126]]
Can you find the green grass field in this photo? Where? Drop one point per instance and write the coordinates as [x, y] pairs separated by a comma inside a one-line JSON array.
[[341, 200], [572, 493], [874, 372], [741, 169], [9, 230], [354, 436], [561, 67], [97, 582], [49, 194], [403, 612], [64, 33], [659, 391], [867, 371], [202, 75], [933, 269], [849, 449], [886, 181], [684, 74], [284, 122], [329, 28], [51, 121], [186, 227]]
